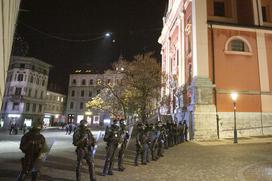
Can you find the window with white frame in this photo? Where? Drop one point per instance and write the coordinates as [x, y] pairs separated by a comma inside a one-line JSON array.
[[238, 45]]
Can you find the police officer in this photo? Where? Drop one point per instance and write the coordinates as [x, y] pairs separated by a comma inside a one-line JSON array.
[[141, 144], [123, 144], [84, 141], [33, 144], [153, 137], [112, 137], [160, 134]]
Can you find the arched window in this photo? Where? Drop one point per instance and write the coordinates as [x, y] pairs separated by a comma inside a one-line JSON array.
[[238, 45]]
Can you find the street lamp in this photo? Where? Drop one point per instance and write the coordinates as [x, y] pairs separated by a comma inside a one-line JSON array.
[[234, 97]]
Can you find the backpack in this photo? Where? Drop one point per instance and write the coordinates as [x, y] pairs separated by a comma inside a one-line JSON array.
[[76, 137]]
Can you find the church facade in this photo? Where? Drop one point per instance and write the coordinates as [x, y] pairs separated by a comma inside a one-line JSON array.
[[210, 49]]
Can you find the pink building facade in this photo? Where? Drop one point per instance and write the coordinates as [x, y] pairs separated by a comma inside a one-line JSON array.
[[211, 48]]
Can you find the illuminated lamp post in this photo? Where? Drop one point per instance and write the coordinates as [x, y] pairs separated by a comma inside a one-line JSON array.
[[234, 97]]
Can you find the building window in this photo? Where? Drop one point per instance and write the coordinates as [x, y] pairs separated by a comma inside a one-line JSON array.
[[29, 92], [91, 82], [71, 105], [38, 81], [264, 12], [90, 93], [238, 44], [6, 106], [20, 77], [15, 106], [82, 93], [18, 91], [34, 108], [22, 65], [73, 93], [10, 78], [74, 82], [43, 82], [31, 79], [219, 8], [27, 107], [83, 82], [40, 108], [36, 93], [81, 105], [41, 94], [61, 99], [98, 91]]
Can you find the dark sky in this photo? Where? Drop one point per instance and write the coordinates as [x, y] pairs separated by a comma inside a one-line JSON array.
[[53, 30]]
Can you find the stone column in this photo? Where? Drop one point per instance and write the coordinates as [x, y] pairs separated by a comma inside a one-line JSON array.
[[202, 121]]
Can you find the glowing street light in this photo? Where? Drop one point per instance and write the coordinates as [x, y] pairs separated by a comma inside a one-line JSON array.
[[234, 96], [108, 34]]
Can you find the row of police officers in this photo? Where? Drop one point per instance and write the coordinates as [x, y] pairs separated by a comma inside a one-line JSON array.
[[151, 139]]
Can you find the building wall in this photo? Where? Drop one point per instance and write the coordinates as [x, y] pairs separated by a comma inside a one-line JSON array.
[[29, 75], [8, 16], [247, 72]]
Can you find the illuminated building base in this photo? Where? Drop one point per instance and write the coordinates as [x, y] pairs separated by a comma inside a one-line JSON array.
[[202, 111]]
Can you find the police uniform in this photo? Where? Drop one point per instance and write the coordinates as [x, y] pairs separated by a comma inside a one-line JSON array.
[[141, 144], [33, 144], [84, 142], [124, 141], [112, 137]]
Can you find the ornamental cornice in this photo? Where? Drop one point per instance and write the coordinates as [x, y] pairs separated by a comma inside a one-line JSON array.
[[170, 20]]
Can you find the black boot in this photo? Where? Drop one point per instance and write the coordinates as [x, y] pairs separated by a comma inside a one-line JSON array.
[[34, 176], [21, 176]]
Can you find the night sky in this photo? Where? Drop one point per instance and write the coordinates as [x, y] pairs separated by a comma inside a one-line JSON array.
[[69, 34]]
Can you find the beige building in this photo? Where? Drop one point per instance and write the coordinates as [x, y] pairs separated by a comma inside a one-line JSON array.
[[25, 91], [83, 86], [8, 15], [211, 48], [54, 108]]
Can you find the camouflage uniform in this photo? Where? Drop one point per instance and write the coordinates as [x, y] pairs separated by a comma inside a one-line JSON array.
[[160, 139], [124, 141], [33, 144], [112, 137], [84, 142], [141, 145]]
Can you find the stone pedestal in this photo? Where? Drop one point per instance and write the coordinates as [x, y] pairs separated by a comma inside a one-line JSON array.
[[203, 110]]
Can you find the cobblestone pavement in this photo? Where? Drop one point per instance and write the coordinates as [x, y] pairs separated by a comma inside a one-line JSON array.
[[249, 160]]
